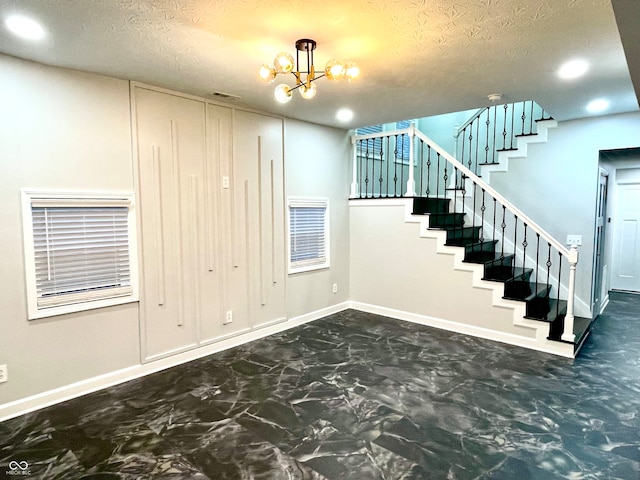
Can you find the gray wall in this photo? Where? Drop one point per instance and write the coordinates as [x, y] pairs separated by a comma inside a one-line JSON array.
[[61, 130], [561, 182], [68, 130], [316, 165]]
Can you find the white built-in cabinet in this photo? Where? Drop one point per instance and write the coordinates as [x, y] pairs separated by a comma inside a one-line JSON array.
[[211, 221]]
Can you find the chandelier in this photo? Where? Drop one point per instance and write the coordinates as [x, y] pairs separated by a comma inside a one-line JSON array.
[[283, 64]]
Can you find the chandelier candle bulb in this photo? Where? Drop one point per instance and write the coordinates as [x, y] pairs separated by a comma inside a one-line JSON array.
[[283, 93]]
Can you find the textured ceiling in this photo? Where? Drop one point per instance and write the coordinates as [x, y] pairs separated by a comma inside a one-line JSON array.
[[418, 57]]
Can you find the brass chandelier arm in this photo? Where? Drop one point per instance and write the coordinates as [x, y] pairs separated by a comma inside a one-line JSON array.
[[300, 83]]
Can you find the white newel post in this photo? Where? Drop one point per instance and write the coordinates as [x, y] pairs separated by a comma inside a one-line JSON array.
[[354, 182], [411, 183], [567, 334]]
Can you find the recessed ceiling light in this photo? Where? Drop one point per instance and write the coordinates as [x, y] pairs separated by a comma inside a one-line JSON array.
[[573, 69], [598, 105], [344, 115], [24, 27]]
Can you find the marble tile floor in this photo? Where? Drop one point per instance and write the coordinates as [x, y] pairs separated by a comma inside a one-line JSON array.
[[356, 396]]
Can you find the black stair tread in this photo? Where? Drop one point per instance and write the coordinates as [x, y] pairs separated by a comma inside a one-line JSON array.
[[557, 308], [532, 134], [422, 205], [502, 259], [446, 220], [506, 149], [461, 237], [489, 163], [581, 329], [479, 256], [527, 291], [506, 274]]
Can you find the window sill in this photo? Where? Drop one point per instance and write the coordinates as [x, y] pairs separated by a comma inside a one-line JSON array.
[[38, 313]]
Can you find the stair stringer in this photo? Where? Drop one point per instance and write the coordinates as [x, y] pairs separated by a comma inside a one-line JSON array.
[[520, 151], [540, 342]]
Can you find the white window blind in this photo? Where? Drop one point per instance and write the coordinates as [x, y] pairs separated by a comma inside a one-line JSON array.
[[374, 145], [402, 142], [308, 234], [81, 253]]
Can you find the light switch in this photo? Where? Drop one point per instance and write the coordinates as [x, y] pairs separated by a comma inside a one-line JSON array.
[[574, 240]]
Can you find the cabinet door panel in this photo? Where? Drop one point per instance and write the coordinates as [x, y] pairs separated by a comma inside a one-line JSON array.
[[170, 139], [258, 167]]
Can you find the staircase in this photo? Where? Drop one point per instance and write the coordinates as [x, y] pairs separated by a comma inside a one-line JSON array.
[[509, 247], [520, 283]]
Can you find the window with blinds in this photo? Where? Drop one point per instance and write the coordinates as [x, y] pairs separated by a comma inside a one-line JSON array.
[[308, 234], [78, 253], [402, 142], [373, 145]]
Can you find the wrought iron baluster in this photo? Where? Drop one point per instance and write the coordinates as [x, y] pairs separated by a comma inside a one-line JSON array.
[[495, 204], [559, 280], [486, 146], [480, 247], [513, 113], [549, 264], [473, 214], [464, 136], [495, 130], [421, 157], [385, 146], [381, 179], [537, 257], [402, 182], [366, 178], [428, 170], [515, 242], [503, 225], [504, 130], [524, 248], [470, 160], [395, 168], [475, 169], [483, 208], [523, 116], [531, 118], [438, 181], [359, 173], [455, 201], [373, 174]]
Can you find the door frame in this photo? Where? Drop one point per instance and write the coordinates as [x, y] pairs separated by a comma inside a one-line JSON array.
[[598, 299]]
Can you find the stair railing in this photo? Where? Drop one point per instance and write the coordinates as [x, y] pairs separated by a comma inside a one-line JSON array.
[[380, 170], [495, 129], [381, 163]]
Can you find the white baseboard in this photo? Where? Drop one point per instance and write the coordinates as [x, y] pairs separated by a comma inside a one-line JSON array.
[[90, 385], [555, 348]]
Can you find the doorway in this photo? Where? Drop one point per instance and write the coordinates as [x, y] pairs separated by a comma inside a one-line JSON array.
[[600, 265], [626, 248]]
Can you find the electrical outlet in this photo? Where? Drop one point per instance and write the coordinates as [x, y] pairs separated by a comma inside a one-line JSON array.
[[4, 374], [229, 317], [225, 182], [335, 288]]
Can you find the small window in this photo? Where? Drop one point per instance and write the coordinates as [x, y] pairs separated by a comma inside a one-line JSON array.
[[78, 252], [308, 234], [402, 143], [372, 147]]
